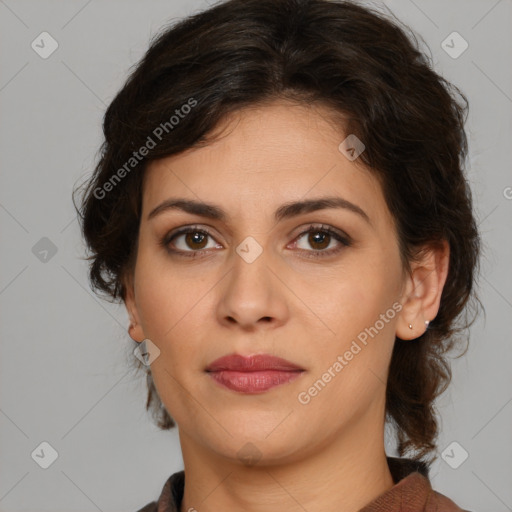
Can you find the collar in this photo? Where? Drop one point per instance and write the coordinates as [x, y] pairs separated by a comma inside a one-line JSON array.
[[411, 492]]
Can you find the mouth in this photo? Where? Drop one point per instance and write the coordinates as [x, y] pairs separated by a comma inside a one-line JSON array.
[[253, 374]]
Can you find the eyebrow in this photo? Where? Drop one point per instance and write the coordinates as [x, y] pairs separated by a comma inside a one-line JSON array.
[[285, 211]]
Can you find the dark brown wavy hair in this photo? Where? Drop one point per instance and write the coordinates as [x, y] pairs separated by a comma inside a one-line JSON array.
[[362, 64]]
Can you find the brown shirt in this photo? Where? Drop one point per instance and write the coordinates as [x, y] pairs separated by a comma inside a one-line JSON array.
[[412, 492]]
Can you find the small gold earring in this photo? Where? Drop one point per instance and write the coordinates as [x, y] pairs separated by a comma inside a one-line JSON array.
[[410, 326]]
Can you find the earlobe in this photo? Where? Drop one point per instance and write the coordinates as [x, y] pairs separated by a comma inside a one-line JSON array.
[[135, 332], [423, 290]]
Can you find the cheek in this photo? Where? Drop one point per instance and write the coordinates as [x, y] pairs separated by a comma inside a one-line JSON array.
[[360, 311], [164, 295], [172, 306], [352, 299], [166, 306], [350, 372]]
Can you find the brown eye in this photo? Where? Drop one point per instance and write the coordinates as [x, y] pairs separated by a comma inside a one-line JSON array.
[[195, 240], [319, 239], [189, 240]]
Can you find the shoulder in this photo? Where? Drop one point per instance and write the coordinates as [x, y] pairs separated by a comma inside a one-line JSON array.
[[438, 502], [170, 497], [413, 489]]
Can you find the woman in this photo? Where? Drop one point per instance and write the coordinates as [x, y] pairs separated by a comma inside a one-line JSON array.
[[281, 206]]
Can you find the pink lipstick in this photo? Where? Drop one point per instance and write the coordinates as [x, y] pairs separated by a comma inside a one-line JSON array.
[[252, 374]]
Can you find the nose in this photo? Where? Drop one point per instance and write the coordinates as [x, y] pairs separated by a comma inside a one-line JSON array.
[[252, 297]]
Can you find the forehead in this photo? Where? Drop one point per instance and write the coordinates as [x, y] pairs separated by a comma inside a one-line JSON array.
[[263, 156]]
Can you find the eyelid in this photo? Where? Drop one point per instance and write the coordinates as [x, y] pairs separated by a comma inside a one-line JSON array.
[[342, 237], [339, 236], [183, 230], [319, 226]]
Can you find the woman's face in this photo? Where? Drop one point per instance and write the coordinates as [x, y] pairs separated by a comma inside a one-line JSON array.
[[253, 283]]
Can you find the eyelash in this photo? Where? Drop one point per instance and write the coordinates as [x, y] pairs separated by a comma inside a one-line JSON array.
[[343, 239]]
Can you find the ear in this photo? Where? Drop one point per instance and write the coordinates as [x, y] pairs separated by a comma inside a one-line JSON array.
[[135, 329], [422, 290]]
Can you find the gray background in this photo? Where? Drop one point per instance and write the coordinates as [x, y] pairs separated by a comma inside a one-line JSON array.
[[64, 372]]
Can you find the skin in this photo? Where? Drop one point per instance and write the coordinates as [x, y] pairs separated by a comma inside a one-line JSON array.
[[327, 454]]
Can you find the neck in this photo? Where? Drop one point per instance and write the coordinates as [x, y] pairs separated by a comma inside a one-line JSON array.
[[344, 474]]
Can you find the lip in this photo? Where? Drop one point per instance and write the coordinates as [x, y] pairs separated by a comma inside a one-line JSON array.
[[252, 374], [255, 363]]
